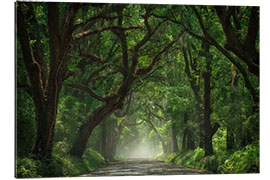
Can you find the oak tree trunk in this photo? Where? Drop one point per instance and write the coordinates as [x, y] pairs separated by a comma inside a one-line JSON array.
[[207, 111], [95, 118], [174, 138]]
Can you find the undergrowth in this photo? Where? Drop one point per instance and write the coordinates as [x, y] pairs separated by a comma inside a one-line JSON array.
[[245, 160], [62, 165]]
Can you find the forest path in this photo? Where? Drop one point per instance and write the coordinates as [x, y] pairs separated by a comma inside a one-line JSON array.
[[140, 167]]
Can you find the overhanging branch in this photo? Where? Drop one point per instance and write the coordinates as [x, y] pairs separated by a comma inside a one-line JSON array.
[[90, 91], [145, 70], [101, 29]]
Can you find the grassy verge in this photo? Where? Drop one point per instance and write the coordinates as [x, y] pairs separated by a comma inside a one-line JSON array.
[[62, 165], [245, 160]]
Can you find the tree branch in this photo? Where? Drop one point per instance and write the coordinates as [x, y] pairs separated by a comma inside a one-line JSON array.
[[247, 52], [102, 15], [95, 73], [90, 32], [32, 66], [92, 58], [140, 44], [38, 52], [123, 39], [87, 89], [145, 70], [253, 28], [134, 124], [215, 128]]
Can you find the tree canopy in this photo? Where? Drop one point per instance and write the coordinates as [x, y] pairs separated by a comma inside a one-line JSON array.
[[136, 80]]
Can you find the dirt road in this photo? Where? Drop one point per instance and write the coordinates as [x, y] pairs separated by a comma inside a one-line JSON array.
[[140, 167]]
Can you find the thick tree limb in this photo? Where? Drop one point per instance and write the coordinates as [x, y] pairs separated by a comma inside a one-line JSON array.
[[92, 57], [37, 49], [67, 24], [253, 28], [90, 32], [105, 76], [87, 89], [215, 128], [134, 124], [102, 15], [123, 40], [71, 73], [246, 52], [32, 66]]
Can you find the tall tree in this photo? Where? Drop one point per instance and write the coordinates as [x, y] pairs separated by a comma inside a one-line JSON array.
[[130, 71], [193, 73], [244, 46], [209, 131], [45, 83]]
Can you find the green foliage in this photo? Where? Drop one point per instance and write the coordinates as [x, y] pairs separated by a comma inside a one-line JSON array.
[[162, 157], [245, 160], [62, 165], [93, 159], [25, 123], [27, 168], [242, 161], [189, 158]]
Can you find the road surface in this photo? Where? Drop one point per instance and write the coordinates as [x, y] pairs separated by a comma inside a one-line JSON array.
[[141, 167]]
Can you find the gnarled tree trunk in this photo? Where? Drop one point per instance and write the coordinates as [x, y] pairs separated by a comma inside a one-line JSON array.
[[174, 138], [45, 85], [89, 124]]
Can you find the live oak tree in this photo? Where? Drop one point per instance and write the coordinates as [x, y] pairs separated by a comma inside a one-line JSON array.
[[129, 70], [46, 74]]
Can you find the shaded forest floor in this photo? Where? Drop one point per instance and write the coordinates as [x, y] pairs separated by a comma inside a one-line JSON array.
[[140, 167]]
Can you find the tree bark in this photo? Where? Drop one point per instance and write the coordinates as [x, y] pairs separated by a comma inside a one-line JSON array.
[[188, 140], [207, 111], [245, 51], [89, 124], [103, 138], [159, 136], [174, 138], [209, 131], [45, 86], [194, 82]]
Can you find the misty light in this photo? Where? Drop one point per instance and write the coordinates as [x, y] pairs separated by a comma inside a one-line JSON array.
[[142, 150]]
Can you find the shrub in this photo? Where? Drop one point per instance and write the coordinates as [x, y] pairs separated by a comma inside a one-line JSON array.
[[242, 161], [93, 159], [189, 158], [62, 165], [162, 157], [26, 168]]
